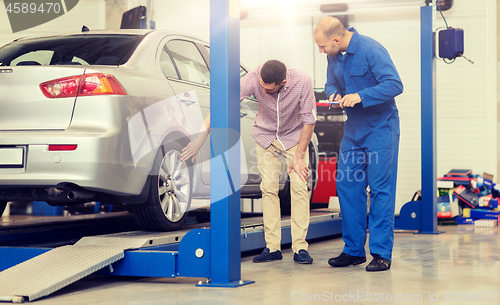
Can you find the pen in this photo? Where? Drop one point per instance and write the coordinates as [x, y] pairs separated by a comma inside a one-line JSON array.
[[333, 102]]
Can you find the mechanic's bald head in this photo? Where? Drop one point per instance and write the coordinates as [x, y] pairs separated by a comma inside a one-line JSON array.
[[331, 36], [330, 27]]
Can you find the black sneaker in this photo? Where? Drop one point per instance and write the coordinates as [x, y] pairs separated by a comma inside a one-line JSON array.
[[267, 256], [378, 264], [344, 260], [302, 257]]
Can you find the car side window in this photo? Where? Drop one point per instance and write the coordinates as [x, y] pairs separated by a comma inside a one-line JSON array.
[[189, 62], [166, 64]]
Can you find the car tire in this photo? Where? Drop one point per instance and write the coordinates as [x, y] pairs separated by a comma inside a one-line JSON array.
[[3, 205], [285, 199], [170, 190], [285, 194]]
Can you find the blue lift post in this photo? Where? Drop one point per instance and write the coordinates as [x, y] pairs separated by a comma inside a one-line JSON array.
[[225, 197], [422, 215], [428, 120]]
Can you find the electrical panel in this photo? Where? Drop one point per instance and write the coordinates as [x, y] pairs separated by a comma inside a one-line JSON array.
[[451, 43]]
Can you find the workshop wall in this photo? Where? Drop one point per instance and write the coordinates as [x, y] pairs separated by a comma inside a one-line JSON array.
[[189, 17], [91, 13], [114, 12]]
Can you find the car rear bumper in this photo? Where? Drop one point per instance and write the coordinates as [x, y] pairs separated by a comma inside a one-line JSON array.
[[101, 162]]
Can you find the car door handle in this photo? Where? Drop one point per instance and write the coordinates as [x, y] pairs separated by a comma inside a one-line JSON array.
[[188, 100]]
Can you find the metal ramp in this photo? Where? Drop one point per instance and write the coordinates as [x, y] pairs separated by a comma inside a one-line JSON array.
[[62, 266], [53, 270], [134, 239]]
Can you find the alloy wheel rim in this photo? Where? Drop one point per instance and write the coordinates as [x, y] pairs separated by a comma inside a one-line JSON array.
[[173, 186]]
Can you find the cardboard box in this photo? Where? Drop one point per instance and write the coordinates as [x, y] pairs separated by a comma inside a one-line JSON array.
[[464, 220], [459, 173], [467, 196], [484, 214], [447, 206], [485, 223]]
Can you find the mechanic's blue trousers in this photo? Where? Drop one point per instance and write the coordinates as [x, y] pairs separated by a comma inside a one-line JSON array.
[[358, 168]]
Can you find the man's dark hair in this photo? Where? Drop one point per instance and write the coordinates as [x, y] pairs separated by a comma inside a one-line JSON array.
[[273, 71]]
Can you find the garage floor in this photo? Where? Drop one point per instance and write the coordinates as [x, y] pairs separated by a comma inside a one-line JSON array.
[[462, 263]]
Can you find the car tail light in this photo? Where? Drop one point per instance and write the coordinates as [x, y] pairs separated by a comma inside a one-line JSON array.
[[83, 85], [64, 87], [62, 147], [97, 84]]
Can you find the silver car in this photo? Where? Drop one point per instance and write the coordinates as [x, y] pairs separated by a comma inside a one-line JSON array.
[[103, 116]]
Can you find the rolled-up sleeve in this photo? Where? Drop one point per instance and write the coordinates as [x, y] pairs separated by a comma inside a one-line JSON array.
[[247, 87], [308, 103]]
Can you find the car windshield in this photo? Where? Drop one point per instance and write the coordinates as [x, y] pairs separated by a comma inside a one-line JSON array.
[[70, 50]]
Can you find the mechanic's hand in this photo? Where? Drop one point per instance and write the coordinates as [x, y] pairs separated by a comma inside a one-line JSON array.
[[192, 149], [336, 98], [350, 100], [299, 166]]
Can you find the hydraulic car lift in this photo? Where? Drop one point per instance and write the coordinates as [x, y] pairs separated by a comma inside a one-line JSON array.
[[31, 273]]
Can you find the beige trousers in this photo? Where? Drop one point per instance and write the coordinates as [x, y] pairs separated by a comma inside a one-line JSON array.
[[269, 162]]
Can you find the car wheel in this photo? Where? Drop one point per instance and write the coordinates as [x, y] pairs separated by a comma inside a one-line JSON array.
[[285, 199], [3, 204], [170, 192], [285, 194]]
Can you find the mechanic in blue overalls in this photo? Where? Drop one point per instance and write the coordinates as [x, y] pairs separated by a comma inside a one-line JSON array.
[[363, 80]]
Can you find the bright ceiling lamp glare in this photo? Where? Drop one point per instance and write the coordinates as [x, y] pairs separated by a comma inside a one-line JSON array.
[[333, 7]]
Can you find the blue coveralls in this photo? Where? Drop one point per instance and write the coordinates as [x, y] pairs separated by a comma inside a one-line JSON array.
[[369, 150]]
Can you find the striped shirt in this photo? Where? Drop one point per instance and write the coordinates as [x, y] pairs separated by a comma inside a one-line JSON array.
[[281, 115]]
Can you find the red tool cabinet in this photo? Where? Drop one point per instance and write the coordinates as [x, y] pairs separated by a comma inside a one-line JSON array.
[[327, 171]]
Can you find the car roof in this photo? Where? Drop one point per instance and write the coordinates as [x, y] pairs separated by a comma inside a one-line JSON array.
[[113, 32]]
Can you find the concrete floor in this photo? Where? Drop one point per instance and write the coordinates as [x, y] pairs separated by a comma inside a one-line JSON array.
[[462, 263]]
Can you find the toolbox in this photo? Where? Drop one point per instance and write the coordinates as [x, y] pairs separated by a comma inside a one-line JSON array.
[[326, 187]]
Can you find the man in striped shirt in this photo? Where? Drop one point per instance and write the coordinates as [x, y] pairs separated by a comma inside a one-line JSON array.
[[284, 125]]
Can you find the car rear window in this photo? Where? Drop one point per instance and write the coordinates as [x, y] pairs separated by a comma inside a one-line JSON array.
[[70, 50]]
